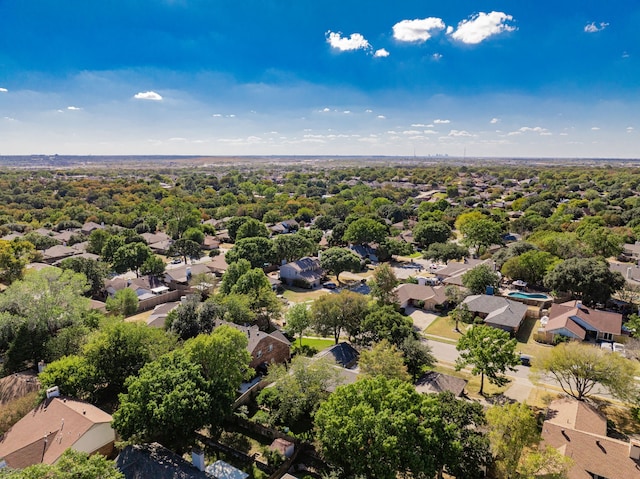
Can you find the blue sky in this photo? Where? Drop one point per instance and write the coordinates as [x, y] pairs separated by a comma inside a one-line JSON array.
[[309, 77]]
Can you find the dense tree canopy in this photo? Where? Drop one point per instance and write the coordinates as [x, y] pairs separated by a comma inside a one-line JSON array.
[[337, 260], [334, 314]]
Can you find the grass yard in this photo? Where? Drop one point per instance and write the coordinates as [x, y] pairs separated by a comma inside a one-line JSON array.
[[139, 317], [300, 295], [526, 343], [443, 327], [473, 385], [316, 343]]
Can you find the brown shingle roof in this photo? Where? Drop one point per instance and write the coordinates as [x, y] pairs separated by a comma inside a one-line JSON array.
[[562, 315], [571, 427], [48, 430]]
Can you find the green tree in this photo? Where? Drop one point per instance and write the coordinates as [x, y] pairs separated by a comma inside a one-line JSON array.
[[233, 274], [380, 428], [153, 266], [120, 349], [426, 233], [531, 266], [461, 313], [338, 260], [298, 390], [73, 375], [130, 257], [185, 248], [252, 228], [14, 256], [111, 245], [587, 278], [490, 351], [94, 271], [477, 279], [292, 247], [418, 356], [166, 402], [512, 429], [481, 233], [72, 464], [385, 323], [180, 215], [446, 252], [35, 309], [194, 234], [600, 240], [97, 240], [124, 302], [383, 285], [364, 231], [259, 251], [233, 224], [333, 314], [578, 368], [298, 319], [384, 359]]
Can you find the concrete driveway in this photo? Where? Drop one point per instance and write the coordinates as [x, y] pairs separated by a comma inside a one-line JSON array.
[[421, 319]]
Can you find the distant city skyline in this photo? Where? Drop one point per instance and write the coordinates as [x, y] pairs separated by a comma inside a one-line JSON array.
[[259, 77]]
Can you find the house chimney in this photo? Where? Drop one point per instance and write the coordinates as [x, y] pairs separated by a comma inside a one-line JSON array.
[[578, 304], [629, 272], [422, 281], [53, 392], [197, 457], [634, 449]]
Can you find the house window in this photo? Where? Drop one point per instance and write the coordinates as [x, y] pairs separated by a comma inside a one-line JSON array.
[[270, 347], [596, 476], [259, 353], [607, 336]]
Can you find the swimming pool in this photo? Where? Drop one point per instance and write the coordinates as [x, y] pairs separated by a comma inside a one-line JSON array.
[[521, 295]]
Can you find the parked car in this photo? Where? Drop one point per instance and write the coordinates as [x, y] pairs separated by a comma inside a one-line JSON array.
[[525, 359], [329, 285]]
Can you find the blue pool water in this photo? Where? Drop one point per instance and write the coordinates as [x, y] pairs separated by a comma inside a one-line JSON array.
[[528, 295]]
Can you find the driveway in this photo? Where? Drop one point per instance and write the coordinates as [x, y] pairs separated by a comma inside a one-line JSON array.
[[421, 319]]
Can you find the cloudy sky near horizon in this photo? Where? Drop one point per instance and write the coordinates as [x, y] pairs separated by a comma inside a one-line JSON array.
[[309, 77]]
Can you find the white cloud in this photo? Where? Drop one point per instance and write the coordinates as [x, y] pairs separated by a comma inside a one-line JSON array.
[[625, 55], [3, 90], [494, 121], [527, 129], [593, 27], [418, 30], [595, 128], [411, 132], [629, 129], [482, 26], [325, 110], [217, 115], [436, 56], [459, 133], [429, 132], [381, 53], [418, 125], [368, 111], [381, 117], [355, 41], [441, 122], [347, 112], [73, 108], [450, 30], [148, 95]]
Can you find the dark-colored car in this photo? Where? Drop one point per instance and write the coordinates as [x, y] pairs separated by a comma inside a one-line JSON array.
[[329, 285]]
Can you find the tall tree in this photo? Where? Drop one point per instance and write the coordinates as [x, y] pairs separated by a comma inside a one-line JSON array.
[[257, 250], [384, 359], [477, 279], [364, 231], [185, 248], [94, 271], [338, 260], [512, 429], [298, 319], [383, 284], [587, 278], [418, 356], [72, 464], [333, 314], [579, 368], [123, 303], [426, 233], [252, 228], [130, 257], [292, 247], [385, 323], [14, 256], [531, 266], [481, 233], [380, 428], [446, 252], [490, 351]]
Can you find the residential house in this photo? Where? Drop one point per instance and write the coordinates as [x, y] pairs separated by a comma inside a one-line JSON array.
[[178, 278], [57, 253], [429, 297], [632, 250], [218, 265], [497, 311], [283, 447], [342, 353], [89, 227], [576, 321], [304, 272], [159, 314], [265, 348], [65, 236], [433, 382], [453, 272], [144, 286], [577, 430], [56, 424], [143, 461], [157, 237], [210, 242], [630, 271], [17, 385]]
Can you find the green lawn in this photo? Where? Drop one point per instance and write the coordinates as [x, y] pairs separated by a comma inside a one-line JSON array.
[[443, 327], [299, 295], [316, 343], [526, 343]]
